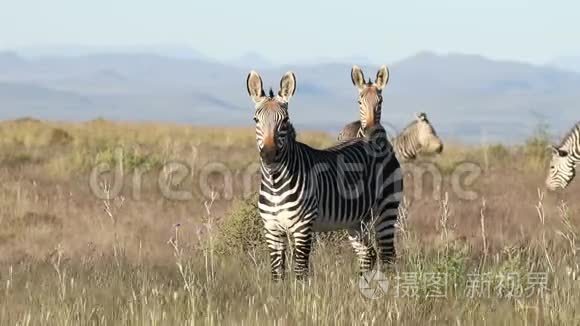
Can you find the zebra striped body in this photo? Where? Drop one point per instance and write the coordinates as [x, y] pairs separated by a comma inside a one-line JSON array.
[[313, 190], [419, 137], [565, 157], [351, 131], [354, 185]]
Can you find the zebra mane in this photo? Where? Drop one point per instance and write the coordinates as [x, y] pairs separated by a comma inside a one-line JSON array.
[[422, 116], [271, 92], [570, 135], [409, 132], [350, 131], [291, 131], [409, 128]]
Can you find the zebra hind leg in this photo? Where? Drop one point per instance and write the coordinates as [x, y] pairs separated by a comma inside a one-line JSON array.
[[384, 228], [276, 240], [385, 216], [363, 248]]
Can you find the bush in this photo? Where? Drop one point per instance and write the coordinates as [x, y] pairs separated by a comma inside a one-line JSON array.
[[497, 152], [536, 148], [130, 157], [59, 136], [242, 229]]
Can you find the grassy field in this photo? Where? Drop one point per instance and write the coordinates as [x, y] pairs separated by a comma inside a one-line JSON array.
[[108, 223]]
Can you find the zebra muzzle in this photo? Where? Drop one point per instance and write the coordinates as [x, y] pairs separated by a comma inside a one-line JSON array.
[[268, 154]]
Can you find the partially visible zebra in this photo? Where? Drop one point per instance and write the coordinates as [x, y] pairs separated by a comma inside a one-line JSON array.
[[370, 96], [351, 131], [565, 157], [419, 137], [370, 100], [354, 185]]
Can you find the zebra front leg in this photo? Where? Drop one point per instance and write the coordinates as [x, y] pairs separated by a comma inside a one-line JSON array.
[[276, 240], [302, 237], [363, 248]]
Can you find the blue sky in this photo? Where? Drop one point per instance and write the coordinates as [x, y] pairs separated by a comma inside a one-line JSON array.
[[303, 30]]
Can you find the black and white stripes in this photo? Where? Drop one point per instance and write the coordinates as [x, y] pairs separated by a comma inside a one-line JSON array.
[[419, 137], [565, 157], [356, 185], [370, 98]]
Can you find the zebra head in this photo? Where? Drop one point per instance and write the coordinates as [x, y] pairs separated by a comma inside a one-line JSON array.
[[370, 97], [427, 137], [271, 116], [562, 169]]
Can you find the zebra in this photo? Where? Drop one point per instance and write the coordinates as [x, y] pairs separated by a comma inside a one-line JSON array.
[[350, 131], [419, 137], [564, 160], [370, 101], [352, 185]]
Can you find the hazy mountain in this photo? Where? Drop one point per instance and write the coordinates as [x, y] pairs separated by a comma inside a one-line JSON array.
[[251, 60], [567, 63], [470, 74], [467, 97], [353, 60]]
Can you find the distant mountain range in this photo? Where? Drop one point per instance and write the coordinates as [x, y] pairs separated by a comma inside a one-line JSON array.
[[567, 63], [468, 98]]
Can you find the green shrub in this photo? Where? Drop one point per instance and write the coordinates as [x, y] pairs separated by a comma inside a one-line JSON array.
[[130, 157], [497, 152], [242, 229], [59, 136], [536, 148]]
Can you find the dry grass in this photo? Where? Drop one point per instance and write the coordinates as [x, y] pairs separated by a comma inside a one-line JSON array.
[[69, 257]]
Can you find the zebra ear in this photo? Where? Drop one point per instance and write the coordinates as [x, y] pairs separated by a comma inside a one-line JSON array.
[[254, 85], [287, 86], [357, 77], [382, 77]]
